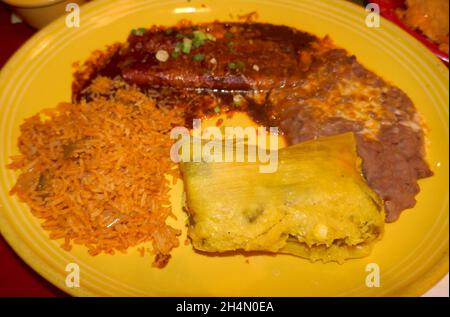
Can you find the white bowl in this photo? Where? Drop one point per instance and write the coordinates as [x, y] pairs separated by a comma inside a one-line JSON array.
[[38, 13]]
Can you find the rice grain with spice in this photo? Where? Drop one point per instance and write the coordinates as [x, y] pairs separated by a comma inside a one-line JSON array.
[[96, 172]]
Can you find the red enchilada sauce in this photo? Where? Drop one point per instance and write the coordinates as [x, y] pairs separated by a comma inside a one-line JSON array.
[[283, 77]]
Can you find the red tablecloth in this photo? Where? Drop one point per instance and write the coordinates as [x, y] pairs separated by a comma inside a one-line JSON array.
[[17, 278]]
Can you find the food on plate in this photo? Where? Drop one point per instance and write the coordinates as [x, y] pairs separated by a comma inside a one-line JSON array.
[[95, 172], [349, 98], [215, 56], [316, 205], [431, 17], [280, 77]]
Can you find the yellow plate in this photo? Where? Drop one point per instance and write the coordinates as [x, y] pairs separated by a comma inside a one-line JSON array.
[[413, 255]]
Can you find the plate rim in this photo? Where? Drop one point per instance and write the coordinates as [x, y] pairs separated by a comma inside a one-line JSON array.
[[418, 287]]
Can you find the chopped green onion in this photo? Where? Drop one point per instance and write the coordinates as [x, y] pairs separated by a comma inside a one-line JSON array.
[[178, 47], [198, 57], [199, 34], [196, 43], [138, 32], [168, 31], [232, 66], [175, 54], [199, 39], [179, 36], [210, 37], [177, 50], [237, 100], [216, 109], [186, 45]]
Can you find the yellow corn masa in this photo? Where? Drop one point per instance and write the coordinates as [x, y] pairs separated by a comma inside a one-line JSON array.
[[316, 205]]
